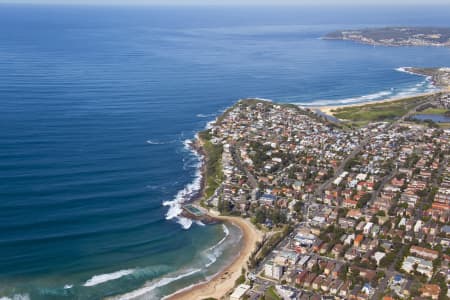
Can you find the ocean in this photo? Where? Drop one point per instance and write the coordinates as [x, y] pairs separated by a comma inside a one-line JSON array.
[[97, 105]]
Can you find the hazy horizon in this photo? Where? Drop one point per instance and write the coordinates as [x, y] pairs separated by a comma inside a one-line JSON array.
[[232, 2]]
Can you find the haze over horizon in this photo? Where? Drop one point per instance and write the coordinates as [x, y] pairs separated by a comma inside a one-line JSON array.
[[231, 2]]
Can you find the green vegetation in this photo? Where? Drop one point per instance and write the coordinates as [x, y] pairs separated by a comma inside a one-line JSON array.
[[275, 215], [434, 111], [440, 280], [240, 280], [363, 200], [271, 294], [331, 234], [378, 111], [258, 154], [268, 245], [213, 168]]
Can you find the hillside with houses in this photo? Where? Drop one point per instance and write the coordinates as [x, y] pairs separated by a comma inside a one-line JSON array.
[[349, 212]]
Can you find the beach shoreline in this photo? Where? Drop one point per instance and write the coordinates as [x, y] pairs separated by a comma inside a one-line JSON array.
[[330, 109], [223, 282], [439, 85]]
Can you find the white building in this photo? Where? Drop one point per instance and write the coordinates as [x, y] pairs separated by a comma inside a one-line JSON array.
[[277, 272], [367, 228], [378, 256], [272, 270], [240, 291], [268, 269], [418, 226], [424, 267]]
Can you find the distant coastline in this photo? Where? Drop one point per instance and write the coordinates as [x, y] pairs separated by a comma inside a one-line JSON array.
[[395, 36], [223, 281], [439, 76]]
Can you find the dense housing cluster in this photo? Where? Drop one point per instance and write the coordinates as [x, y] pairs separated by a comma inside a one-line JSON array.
[[363, 212]]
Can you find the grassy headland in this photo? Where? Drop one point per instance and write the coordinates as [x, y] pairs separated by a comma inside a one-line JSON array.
[[435, 111], [213, 164], [380, 111]]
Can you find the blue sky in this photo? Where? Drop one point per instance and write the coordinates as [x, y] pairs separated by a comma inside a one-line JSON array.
[[236, 2]]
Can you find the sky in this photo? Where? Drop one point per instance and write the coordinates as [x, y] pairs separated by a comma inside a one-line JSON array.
[[235, 2]]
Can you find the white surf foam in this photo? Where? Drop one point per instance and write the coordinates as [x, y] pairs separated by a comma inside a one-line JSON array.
[[68, 286], [425, 86], [175, 205], [428, 79], [17, 297], [365, 98], [213, 252], [261, 99], [98, 279], [205, 115], [227, 233], [212, 259], [199, 223], [187, 144], [405, 70], [159, 142], [153, 285], [383, 95], [154, 142], [191, 162]]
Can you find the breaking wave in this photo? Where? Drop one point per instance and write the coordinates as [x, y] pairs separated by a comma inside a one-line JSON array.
[[146, 290], [425, 86], [156, 142], [151, 289], [199, 223], [205, 115], [213, 252], [227, 233], [17, 297], [405, 70], [261, 99], [186, 194], [98, 279]]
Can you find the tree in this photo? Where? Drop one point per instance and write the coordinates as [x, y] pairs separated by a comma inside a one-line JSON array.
[[381, 213], [316, 269], [343, 273], [260, 216], [298, 207], [342, 212], [363, 200]]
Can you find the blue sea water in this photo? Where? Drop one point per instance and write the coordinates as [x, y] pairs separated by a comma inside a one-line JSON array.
[[96, 105]]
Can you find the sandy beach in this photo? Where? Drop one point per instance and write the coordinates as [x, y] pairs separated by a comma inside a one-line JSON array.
[[221, 283], [328, 109], [224, 281]]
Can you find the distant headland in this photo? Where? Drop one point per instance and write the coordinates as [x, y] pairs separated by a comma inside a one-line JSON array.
[[395, 36]]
